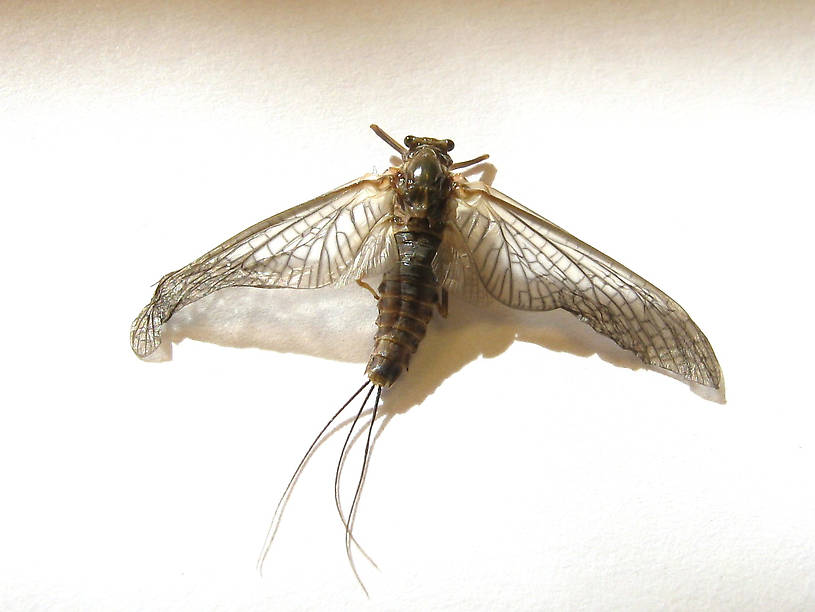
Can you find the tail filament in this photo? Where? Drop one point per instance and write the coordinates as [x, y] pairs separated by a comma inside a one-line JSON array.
[[348, 522]]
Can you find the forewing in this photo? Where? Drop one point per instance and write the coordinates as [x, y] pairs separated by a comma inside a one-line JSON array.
[[455, 270], [333, 239], [529, 263]]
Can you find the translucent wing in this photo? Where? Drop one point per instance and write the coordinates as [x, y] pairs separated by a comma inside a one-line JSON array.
[[333, 239], [529, 263], [455, 270]]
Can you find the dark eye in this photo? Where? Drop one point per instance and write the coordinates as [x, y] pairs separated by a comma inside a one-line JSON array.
[[410, 141], [450, 144]]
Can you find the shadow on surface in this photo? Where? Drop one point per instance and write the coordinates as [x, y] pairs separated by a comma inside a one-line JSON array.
[[338, 324]]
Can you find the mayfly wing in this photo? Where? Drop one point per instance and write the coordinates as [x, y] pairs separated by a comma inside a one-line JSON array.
[[455, 269], [333, 239], [529, 263]]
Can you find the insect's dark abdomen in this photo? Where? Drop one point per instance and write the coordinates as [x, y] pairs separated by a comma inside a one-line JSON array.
[[408, 295]]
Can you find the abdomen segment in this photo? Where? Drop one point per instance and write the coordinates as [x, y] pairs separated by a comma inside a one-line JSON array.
[[408, 295]]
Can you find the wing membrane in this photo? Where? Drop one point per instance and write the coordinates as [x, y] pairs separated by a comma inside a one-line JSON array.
[[335, 238], [454, 268], [529, 263]]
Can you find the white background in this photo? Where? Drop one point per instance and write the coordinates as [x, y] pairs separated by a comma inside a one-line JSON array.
[[530, 474]]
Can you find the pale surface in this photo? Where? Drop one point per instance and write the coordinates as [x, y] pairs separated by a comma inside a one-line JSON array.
[[678, 139]]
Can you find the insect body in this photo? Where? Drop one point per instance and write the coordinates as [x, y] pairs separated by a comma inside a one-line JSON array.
[[428, 231], [473, 237], [409, 288]]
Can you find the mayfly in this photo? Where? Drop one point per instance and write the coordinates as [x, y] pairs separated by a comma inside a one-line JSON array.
[[429, 232]]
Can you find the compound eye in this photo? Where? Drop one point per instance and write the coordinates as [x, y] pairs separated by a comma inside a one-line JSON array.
[[449, 144], [410, 141]]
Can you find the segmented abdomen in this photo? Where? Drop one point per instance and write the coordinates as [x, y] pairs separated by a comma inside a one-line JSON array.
[[408, 295]]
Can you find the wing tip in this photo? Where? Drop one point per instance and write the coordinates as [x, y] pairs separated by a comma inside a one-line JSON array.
[[144, 341], [707, 385], [711, 392]]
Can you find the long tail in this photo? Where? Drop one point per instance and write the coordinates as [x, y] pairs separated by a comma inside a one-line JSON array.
[[281, 504], [350, 440], [348, 522]]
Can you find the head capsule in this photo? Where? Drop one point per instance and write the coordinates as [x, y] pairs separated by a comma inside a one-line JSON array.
[[413, 142]]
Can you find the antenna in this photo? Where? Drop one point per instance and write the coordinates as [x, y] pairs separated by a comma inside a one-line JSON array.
[[384, 136], [469, 162]]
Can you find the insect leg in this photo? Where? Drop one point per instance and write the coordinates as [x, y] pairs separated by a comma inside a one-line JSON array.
[[281, 504], [365, 285], [353, 510], [441, 305]]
